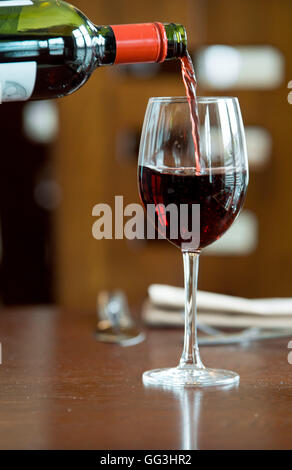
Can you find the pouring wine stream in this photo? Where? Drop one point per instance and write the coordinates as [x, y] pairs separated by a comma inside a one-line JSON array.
[[190, 83]]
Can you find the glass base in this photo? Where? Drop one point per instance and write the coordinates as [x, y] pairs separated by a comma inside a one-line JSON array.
[[190, 376]]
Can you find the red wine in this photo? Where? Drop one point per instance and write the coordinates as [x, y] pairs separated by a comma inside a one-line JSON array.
[[219, 193], [190, 83]]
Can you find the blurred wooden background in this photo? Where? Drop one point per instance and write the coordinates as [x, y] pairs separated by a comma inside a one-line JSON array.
[[53, 257], [93, 165]]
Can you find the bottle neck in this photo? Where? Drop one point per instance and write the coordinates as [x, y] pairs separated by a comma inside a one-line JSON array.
[[176, 40], [142, 42], [104, 43]]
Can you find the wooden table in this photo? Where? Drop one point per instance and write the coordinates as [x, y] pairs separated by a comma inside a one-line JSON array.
[[60, 389]]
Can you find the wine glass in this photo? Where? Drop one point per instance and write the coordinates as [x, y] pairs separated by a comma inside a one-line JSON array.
[[173, 175]]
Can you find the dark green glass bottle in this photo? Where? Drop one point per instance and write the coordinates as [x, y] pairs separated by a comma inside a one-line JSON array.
[[49, 49]]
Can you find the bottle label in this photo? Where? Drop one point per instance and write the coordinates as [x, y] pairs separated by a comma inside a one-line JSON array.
[[17, 81], [15, 3]]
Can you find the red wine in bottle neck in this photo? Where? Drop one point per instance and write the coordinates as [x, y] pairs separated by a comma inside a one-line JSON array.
[[49, 49]]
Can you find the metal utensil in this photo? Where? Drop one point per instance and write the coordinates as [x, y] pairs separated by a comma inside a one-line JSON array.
[[244, 336], [114, 320]]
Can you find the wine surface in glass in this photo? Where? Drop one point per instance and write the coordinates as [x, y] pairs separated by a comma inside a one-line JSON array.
[[220, 193]]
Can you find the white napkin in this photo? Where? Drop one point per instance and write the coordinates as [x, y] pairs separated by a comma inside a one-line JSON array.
[[165, 307], [164, 296]]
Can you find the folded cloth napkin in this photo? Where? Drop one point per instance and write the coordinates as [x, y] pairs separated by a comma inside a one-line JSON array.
[[166, 304], [173, 297]]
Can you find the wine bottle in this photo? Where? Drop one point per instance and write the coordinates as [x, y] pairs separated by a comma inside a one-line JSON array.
[[49, 49]]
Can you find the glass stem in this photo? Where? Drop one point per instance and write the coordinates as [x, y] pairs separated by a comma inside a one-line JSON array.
[[191, 356]]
